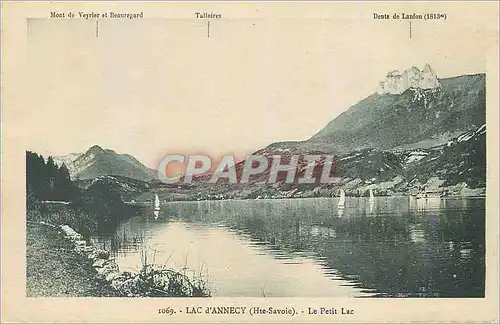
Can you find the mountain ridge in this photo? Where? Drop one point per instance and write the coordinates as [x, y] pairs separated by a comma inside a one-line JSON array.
[[457, 106], [97, 161], [374, 141], [389, 138]]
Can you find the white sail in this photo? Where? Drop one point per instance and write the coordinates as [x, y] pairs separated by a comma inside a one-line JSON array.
[[157, 202], [372, 197], [342, 198]]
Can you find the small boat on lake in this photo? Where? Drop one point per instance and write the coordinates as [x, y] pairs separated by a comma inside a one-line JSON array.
[[342, 198], [157, 203], [156, 207], [372, 197]]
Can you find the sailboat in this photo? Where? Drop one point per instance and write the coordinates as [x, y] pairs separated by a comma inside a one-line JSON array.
[[372, 197], [157, 203], [342, 198], [156, 211]]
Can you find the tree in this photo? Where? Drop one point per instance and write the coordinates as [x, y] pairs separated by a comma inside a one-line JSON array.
[[47, 181]]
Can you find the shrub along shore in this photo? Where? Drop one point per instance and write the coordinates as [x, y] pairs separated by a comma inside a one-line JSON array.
[[61, 263]]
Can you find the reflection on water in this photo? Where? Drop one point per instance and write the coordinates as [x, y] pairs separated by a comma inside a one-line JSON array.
[[340, 211], [394, 247]]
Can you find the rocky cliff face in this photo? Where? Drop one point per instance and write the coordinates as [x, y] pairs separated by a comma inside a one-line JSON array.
[[397, 82], [415, 116]]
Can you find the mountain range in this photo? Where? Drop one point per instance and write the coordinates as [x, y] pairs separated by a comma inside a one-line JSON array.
[[415, 118], [98, 162], [413, 131]]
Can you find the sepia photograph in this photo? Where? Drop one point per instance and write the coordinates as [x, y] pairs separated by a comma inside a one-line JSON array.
[[273, 151]]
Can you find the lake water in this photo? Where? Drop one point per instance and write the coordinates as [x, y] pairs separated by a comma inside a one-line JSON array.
[[394, 247]]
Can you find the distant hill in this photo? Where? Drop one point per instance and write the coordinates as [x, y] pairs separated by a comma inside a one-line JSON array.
[[127, 187], [98, 162], [457, 167], [462, 160]]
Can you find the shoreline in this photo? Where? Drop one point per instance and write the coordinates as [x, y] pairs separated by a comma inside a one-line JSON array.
[[59, 262], [55, 269], [139, 203]]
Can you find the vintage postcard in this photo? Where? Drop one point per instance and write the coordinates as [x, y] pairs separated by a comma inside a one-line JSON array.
[[250, 162]]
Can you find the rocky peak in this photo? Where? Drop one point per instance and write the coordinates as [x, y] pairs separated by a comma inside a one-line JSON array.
[[428, 69], [96, 149], [397, 82]]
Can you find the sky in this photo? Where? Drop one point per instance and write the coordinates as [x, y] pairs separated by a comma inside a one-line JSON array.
[[153, 87]]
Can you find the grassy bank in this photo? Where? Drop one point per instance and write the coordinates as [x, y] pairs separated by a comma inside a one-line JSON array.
[[60, 264], [54, 269]]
